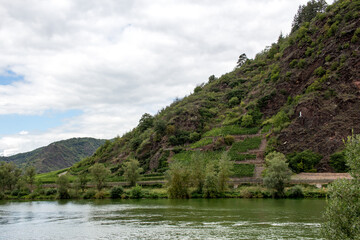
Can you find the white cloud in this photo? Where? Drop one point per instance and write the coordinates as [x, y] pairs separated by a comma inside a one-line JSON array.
[[115, 60]]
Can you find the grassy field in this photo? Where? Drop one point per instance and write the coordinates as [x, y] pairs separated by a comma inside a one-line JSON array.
[[207, 155], [230, 130]]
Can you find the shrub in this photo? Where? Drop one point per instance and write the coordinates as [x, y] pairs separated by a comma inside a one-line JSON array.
[[295, 192], [50, 191], [116, 192], [201, 143], [89, 194], [338, 162], [194, 137], [293, 63], [234, 101], [197, 89], [320, 71], [247, 121], [304, 161], [136, 192], [100, 194], [178, 181], [229, 140], [132, 171], [280, 119]]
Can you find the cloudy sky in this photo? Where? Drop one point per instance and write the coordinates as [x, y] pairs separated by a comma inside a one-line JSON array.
[[86, 68]]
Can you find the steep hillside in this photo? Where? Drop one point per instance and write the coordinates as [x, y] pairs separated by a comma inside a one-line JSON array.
[[301, 94], [57, 155]]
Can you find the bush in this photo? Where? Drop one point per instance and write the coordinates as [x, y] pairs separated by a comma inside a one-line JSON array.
[[295, 192], [320, 71], [136, 192], [304, 161], [247, 121], [338, 162], [234, 101], [229, 140], [201, 143], [116, 192], [89, 194], [194, 137], [50, 191], [100, 194]]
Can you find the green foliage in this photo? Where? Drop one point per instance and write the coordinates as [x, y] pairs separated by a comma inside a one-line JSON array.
[[136, 192], [304, 161], [307, 12], [197, 89], [201, 143], [132, 171], [160, 127], [196, 168], [279, 120], [293, 63], [243, 146], [229, 140], [29, 175], [195, 136], [352, 154], [247, 121], [62, 187], [9, 175], [356, 36], [234, 101], [178, 181], [99, 173], [146, 121], [277, 173], [211, 183], [243, 170], [338, 162], [320, 71], [295, 192], [89, 194], [225, 171], [230, 130]]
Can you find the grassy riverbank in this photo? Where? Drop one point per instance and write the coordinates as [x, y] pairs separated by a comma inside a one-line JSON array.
[[153, 192]]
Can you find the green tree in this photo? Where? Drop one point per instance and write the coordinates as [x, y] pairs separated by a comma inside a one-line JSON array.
[[178, 183], [99, 173], [211, 189], [29, 175], [307, 12], [9, 175], [277, 173], [242, 60], [197, 167], [342, 215], [225, 171], [63, 186], [132, 171], [146, 121]]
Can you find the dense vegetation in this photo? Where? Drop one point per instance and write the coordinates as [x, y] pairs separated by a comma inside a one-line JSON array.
[[57, 155]]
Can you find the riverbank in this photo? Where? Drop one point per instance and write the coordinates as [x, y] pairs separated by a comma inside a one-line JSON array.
[[154, 192]]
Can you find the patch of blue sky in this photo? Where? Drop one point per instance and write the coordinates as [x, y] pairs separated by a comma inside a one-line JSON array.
[[8, 77], [15, 123]]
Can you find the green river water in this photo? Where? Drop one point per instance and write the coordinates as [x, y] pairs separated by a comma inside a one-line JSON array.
[[162, 219]]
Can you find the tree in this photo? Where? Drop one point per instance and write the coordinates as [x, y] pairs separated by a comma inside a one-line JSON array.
[[197, 167], [146, 121], [307, 12], [277, 173], [242, 59], [81, 181], [178, 181], [342, 215], [132, 171], [99, 174], [211, 189], [9, 175], [29, 176], [63, 186], [225, 166]]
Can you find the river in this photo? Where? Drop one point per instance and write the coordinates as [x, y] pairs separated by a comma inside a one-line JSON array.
[[162, 219]]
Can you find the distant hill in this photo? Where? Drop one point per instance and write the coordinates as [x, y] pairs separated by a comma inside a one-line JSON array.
[[57, 155]]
